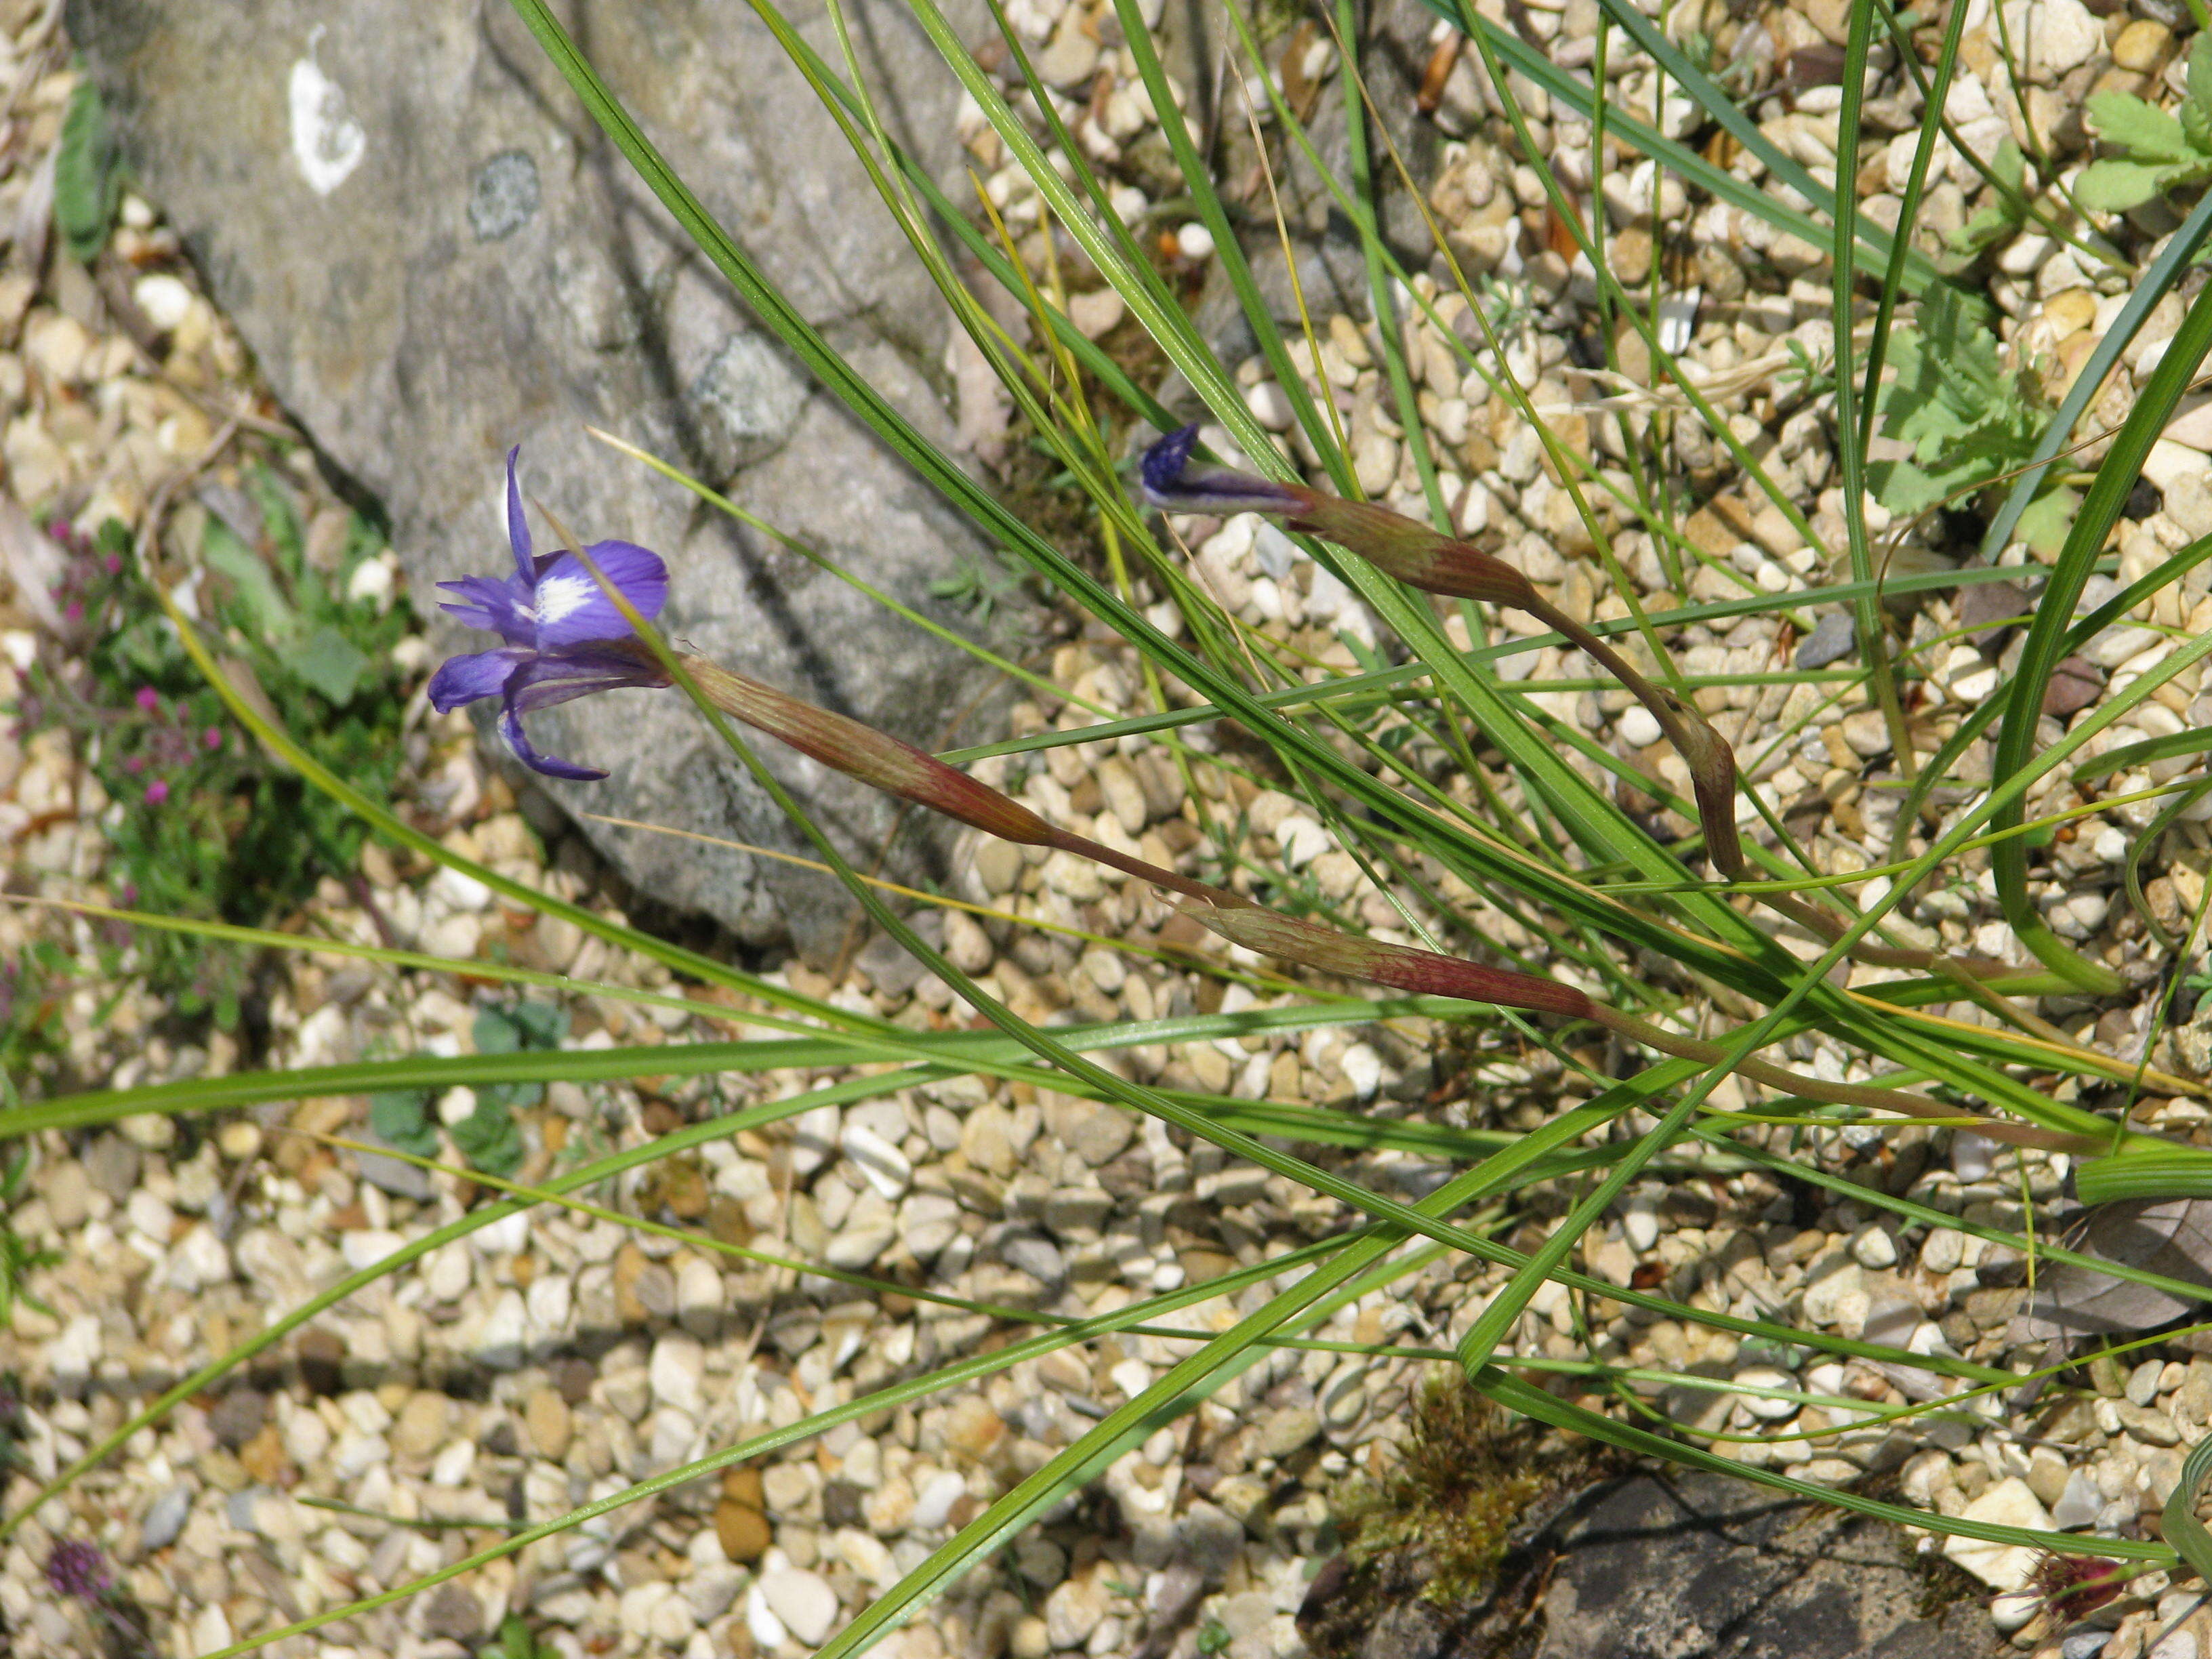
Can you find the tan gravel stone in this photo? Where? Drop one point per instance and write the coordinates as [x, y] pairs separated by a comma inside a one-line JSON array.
[[547, 1418], [422, 1424]]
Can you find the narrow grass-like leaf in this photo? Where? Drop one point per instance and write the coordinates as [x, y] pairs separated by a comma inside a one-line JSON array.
[[2039, 655]]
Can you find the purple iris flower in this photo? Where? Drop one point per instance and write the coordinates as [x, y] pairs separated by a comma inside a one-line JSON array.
[[564, 637]]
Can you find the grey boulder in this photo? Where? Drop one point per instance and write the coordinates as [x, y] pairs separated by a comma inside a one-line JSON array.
[[435, 255]]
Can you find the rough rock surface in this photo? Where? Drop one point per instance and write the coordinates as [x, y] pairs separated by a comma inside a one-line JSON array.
[[435, 255], [1701, 1566], [1653, 1567]]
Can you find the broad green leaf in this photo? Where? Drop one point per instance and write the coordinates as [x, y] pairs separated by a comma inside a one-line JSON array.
[[86, 186], [2044, 526], [487, 1137], [274, 619], [2147, 132], [330, 663], [2115, 186], [2198, 111], [401, 1118]]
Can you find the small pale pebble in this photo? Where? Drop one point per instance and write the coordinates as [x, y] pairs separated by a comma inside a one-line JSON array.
[[364, 1247], [547, 1420], [884, 1167], [1270, 405], [1762, 1377], [699, 1296], [1194, 241], [934, 1506], [1874, 1248], [165, 1518], [676, 1372], [711, 1588], [2144, 1379], [1639, 1225], [164, 299], [1975, 687], [2014, 1609], [1972, 1156], [1866, 732], [1825, 1296], [150, 1219], [501, 1338], [2010, 1503], [1363, 1069], [1639, 729], [761, 1622], [803, 1601], [2147, 1424], [1095, 313], [2079, 1504], [1073, 1611], [1071, 56]]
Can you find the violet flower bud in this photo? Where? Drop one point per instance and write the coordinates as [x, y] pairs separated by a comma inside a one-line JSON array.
[[78, 1570], [1410, 551]]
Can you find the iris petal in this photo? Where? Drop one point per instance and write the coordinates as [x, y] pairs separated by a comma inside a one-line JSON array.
[[517, 528], [482, 674], [571, 608], [510, 727], [493, 604], [579, 671]]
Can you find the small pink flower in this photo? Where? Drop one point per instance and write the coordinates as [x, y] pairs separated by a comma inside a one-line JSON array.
[[148, 699], [212, 737], [156, 793]]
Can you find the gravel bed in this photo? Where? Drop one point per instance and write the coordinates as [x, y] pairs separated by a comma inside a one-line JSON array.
[[540, 1365]]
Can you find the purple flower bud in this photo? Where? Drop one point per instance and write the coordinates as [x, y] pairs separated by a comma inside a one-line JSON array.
[[1412, 552], [148, 699], [1174, 485], [77, 1569]]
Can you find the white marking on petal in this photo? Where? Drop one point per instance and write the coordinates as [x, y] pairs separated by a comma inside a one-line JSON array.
[[562, 596]]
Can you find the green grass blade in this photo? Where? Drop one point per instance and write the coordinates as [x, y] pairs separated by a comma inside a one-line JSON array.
[[2099, 510], [2158, 280]]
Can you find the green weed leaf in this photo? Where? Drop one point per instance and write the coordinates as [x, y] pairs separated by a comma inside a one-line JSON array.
[[2145, 132], [266, 613], [2044, 526], [1968, 419], [330, 663], [2112, 186], [88, 188], [2197, 113], [2007, 208], [401, 1118], [487, 1137]]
